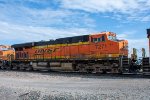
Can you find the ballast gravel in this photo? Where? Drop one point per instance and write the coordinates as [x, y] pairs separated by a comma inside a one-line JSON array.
[[17, 85]]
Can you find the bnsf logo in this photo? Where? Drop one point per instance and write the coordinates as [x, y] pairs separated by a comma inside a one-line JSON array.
[[50, 51]]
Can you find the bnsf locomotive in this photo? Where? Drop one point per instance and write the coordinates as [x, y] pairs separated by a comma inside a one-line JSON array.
[[87, 53]]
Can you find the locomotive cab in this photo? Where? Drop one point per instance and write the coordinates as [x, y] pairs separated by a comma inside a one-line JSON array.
[[107, 45], [123, 44]]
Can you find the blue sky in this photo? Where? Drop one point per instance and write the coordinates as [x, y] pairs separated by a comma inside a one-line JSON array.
[[35, 20]]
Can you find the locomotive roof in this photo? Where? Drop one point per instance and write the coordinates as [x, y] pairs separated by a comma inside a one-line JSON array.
[[75, 39]]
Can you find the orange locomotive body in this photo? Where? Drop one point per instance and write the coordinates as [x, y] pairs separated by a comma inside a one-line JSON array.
[[6, 53], [98, 46], [95, 53]]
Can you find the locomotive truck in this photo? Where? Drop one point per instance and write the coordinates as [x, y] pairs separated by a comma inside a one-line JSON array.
[[96, 53]]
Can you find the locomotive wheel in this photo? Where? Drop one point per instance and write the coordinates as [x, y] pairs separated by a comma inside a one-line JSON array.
[[120, 71], [10, 68], [104, 71], [23, 69], [30, 68], [89, 70], [3, 68], [18, 68], [49, 70]]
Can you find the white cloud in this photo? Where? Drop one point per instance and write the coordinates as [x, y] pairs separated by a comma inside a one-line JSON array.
[[127, 34], [20, 23], [131, 9], [146, 18], [23, 15], [101, 5], [10, 31]]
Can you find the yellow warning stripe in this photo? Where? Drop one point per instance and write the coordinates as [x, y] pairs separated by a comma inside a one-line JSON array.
[[55, 45]]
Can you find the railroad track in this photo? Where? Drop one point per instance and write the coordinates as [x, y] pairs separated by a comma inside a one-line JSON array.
[[84, 74]]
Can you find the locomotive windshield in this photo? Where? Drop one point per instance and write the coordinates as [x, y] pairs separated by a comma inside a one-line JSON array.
[[113, 38]]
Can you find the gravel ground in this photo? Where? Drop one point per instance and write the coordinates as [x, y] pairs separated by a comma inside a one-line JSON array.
[[60, 86]]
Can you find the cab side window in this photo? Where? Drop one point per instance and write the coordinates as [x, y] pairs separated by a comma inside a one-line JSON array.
[[103, 38], [100, 39], [94, 40]]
